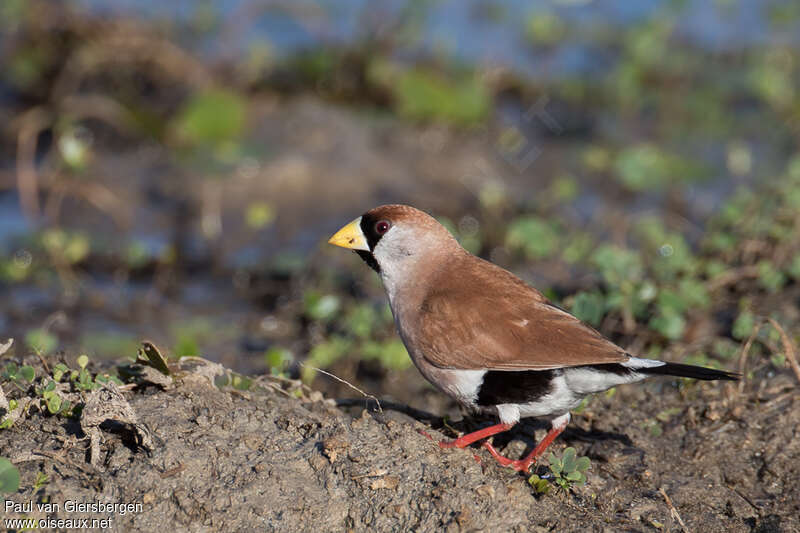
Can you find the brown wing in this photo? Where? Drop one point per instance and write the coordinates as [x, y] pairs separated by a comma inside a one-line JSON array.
[[491, 319]]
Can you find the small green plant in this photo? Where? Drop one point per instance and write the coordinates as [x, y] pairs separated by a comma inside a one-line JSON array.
[[17, 374], [82, 379], [53, 402], [9, 421], [41, 481], [59, 371], [567, 471]]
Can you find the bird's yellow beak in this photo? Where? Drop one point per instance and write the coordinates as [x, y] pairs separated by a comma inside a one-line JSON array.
[[351, 237]]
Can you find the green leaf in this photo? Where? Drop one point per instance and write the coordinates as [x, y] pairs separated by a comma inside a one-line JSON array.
[[9, 476], [583, 464], [568, 459], [11, 370], [59, 371], [574, 476], [555, 464], [54, 404], [82, 361], [27, 373]]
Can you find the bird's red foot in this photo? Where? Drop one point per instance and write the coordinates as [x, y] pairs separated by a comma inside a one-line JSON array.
[[517, 464], [524, 464], [465, 440]]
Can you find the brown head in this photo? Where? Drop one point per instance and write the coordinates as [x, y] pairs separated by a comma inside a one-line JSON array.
[[399, 242]]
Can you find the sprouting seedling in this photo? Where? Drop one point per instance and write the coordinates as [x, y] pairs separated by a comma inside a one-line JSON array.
[[9, 421], [59, 371], [566, 471], [82, 379], [16, 374], [569, 469], [52, 399], [41, 481]]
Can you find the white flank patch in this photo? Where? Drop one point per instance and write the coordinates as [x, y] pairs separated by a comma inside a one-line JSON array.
[[508, 412], [465, 383], [557, 402], [636, 362], [588, 380]]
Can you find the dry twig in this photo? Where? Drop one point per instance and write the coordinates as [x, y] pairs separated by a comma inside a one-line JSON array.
[[337, 378], [788, 346], [675, 514], [745, 353]]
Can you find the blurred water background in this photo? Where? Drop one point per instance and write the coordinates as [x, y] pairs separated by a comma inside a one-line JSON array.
[[171, 170]]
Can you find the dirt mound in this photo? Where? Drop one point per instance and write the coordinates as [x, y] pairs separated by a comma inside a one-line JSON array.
[[277, 457]]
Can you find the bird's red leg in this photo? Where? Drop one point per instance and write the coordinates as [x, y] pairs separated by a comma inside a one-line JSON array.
[[469, 438], [525, 464]]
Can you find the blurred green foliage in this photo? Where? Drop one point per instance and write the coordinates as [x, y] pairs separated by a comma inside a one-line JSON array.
[[545, 28], [536, 237], [360, 331], [425, 94], [661, 114], [212, 117]]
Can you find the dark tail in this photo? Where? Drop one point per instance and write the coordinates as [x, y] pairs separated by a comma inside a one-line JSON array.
[[689, 371]]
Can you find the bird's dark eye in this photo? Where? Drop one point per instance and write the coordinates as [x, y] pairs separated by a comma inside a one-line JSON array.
[[382, 226]]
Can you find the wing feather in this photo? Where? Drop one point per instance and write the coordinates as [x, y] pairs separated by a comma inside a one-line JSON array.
[[490, 319]]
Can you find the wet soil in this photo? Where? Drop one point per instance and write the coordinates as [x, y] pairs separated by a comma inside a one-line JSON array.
[[264, 459]]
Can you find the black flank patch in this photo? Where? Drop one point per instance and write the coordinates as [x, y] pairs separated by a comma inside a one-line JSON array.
[[515, 386]]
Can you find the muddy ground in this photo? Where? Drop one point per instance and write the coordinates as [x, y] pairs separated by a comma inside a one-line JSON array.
[[274, 459]]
